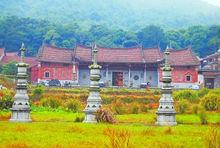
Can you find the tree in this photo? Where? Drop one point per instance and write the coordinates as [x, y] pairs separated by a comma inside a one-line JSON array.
[[175, 38], [151, 36], [52, 37], [9, 68], [197, 37], [214, 38]]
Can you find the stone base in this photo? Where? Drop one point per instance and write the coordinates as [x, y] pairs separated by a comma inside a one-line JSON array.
[[166, 120], [90, 117], [20, 116]]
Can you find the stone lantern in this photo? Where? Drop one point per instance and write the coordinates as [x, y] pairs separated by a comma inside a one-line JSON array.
[[166, 114], [21, 107], [94, 100]]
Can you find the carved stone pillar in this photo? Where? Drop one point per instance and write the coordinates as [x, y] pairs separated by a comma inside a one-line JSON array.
[[94, 100], [166, 114], [21, 107]]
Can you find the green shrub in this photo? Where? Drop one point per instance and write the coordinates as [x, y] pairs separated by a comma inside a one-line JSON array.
[[51, 102], [144, 109], [6, 99], [202, 92], [79, 119], [190, 95], [195, 109], [203, 116], [72, 105], [215, 91], [119, 108], [127, 100], [38, 92], [135, 109], [156, 92], [183, 105], [107, 99], [211, 102]]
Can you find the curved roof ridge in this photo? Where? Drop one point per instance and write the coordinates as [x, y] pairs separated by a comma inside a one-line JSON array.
[[83, 46], [181, 49], [53, 46], [112, 48], [153, 47]]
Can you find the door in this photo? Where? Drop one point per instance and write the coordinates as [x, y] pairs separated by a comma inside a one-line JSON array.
[[209, 83], [136, 78], [84, 77], [117, 78]]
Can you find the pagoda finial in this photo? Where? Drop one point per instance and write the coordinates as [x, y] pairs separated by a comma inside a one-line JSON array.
[[167, 53], [94, 54], [22, 49], [170, 45]]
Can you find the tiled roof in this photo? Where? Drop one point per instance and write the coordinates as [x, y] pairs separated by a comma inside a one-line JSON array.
[[152, 55], [83, 53], [13, 57], [216, 54], [120, 55], [183, 57], [49, 53]]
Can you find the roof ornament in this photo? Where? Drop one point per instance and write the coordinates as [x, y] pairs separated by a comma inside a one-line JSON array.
[[167, 53], [94, 54], [170, 45], [22, 49]]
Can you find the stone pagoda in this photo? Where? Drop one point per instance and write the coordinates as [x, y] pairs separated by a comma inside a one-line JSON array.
[[94, 100], [21, 107], [166, 114]]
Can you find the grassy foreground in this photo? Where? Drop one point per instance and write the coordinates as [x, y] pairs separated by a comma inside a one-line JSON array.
[[57, 129]]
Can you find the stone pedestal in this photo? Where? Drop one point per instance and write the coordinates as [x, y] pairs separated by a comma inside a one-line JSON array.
[[21, 107], [93, 104], [166, 114], [94, 100]]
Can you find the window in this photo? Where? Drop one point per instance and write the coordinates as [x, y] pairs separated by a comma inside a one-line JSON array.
[[136, 77], [188, 78], [47, 74]]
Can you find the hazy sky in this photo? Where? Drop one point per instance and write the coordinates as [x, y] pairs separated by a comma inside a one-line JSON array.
[[214, 2]]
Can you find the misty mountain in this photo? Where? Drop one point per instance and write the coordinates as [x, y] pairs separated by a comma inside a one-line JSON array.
[[125, 14]]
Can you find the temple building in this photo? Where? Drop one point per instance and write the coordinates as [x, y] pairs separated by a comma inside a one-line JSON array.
[[210, 69], [7, 57], [131, 67], [185, 66]]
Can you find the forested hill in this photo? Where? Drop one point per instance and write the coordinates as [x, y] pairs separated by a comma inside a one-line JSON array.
[[127, 14]]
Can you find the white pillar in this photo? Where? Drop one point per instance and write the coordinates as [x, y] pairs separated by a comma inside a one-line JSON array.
[[129, 75], [77, 74], [145, 73], [106, 73]]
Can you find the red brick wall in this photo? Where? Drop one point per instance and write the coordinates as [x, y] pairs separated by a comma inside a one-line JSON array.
[[58, 71], [34, 73], [179, 74]]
